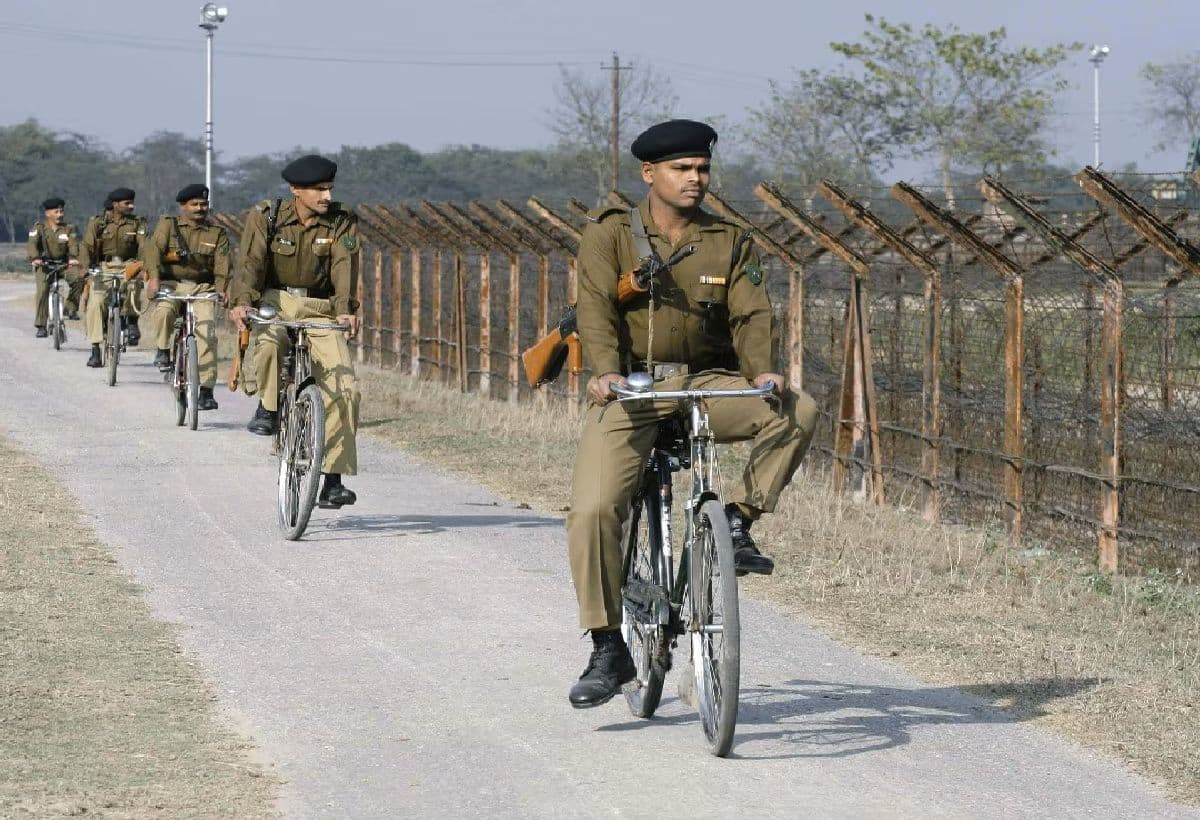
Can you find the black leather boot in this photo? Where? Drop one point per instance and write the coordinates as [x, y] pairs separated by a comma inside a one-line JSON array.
[[207, 402], [95, 360], [335, 495], [41, 332], [264, 422], [609, 668], [162, 360], [746, 557]]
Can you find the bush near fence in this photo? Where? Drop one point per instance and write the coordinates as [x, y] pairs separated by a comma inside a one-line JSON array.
[[1033, 357]]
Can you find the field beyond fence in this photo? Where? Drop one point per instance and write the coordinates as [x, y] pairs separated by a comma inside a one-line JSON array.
[[1028, 355]]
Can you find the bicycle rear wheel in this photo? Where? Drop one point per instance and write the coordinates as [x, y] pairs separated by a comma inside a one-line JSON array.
[[177, 378], [112, 345], [645, 605], [716, 645], [301, 455], [193, 382]]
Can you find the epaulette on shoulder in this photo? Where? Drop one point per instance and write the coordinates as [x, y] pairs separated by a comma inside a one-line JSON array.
[[264, 206], [605, 211]]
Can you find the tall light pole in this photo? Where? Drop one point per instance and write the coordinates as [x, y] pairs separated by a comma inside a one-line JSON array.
[[1098, 55], [211, 16]]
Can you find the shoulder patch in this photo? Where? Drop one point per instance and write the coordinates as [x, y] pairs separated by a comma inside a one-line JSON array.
[[753, 271], [349, 242]]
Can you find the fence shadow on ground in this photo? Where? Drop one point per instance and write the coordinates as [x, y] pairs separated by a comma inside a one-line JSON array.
[[827, 719], [358, 527]]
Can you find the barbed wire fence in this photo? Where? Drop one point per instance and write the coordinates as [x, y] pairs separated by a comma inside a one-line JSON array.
[[1032, 357]]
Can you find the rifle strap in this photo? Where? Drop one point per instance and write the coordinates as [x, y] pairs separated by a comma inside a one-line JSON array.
[[184, 253], [645, 251], [272, 229]]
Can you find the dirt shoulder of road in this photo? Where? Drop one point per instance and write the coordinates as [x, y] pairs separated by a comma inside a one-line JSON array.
[[1113, 663], [100, 713]]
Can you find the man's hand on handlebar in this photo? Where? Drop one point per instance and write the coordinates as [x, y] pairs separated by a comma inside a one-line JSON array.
[[350, 319], [237, 315], [777, 380], [72, 263], [152, 287], [599, 388]]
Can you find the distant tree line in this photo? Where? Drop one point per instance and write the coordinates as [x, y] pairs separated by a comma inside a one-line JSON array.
[[967, 103]]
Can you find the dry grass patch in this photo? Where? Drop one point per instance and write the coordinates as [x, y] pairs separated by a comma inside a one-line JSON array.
[[1111, 662], [100, 714]]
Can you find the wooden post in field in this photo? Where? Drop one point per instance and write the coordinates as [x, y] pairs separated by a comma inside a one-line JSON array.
[[485, 323], [1014, 350], [1168, 347], [435, 306], [377, 309], [931, 394], [460, 323], [795, 306], [364, 295], [397, 308]]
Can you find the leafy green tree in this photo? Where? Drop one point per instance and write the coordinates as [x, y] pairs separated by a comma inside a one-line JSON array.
[[958, 97], [821, 124], [158, 166], [1172, 100]]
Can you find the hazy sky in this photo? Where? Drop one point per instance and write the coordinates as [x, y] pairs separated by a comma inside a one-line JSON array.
[[430, 74]]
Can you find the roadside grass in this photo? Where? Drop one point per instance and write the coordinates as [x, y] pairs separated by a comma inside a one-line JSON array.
[[100, 714], [1112, 662]]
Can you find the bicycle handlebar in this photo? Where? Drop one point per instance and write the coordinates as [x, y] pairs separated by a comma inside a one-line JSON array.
[[625, 394], [167, 296], [296, 324]]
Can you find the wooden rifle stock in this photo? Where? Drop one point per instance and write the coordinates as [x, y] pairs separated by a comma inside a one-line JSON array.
[[235, 367], [545, 359]]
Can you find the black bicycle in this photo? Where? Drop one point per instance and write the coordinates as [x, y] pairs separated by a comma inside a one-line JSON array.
[[56, 325], [184, 375], [114, 333], [698, 598], [300, 435]]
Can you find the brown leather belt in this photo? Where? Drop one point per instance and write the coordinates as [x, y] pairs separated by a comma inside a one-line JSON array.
[[662, 370]]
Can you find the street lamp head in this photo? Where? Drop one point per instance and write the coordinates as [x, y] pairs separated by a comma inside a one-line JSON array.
[[1098, 54], [212, 14]]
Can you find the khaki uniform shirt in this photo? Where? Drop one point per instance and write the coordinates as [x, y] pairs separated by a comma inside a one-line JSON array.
[[106, 238], [322, 257], [205, 259], [60, 243], [710, 310]]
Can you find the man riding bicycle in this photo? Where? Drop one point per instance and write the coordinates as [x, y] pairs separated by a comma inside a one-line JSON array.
[[188, 255], [704, 323], [300, 257], [52, 240], [111, 240]]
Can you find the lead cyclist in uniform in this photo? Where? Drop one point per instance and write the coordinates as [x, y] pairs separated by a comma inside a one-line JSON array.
[[705, 323]]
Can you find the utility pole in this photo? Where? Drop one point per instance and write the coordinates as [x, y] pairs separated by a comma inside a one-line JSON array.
[[614, 133], [1098, 54]]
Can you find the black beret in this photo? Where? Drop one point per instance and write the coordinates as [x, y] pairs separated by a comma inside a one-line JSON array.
[[674, 139], [310, 170], [193, 191], [52, 203], [118, 195]]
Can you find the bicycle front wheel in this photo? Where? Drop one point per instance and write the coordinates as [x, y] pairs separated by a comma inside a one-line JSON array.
[[645, 611], [716, 639], [301, 455], [177, 377], [58, 333], [112, 345], [193, 383]]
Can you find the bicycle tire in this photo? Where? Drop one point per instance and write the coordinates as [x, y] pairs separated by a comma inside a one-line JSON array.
[[301, 456], [57, 333], [177, 378], [642, 593], [716, 656], [193, 383], [112, 345]]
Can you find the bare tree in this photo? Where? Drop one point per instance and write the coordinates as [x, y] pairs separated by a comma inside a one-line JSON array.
[[1173, 99], [581, 117]]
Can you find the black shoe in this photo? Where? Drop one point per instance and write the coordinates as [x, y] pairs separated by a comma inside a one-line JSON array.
[[132, 337], [207, 402], [263, 423], [73, 316], [334, 495], [609, 668], [162, 360], [746, 557], [41, 332], [94, 360]]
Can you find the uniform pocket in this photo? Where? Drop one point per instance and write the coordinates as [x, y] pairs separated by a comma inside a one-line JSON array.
[[281, 248], [321, 249], [708, 294]]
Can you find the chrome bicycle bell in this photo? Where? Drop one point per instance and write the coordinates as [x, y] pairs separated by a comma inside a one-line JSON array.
[[639, 382]]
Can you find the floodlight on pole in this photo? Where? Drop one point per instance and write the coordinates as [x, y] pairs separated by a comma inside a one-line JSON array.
[[1098, 53], [211, 16]]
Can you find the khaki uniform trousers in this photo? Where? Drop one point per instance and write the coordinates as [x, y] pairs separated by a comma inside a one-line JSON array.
[[613, 449], [97, 302], [163, 314], [333, 372]]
